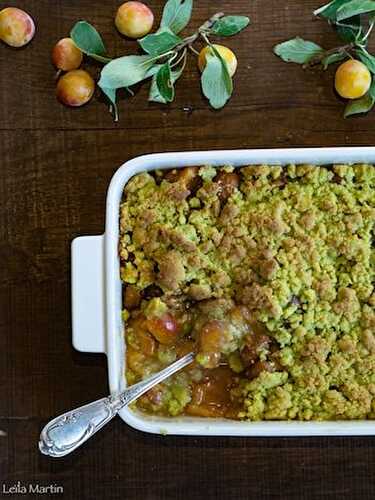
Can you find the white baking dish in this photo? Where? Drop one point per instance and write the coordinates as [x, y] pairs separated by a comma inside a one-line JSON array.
[[96, 292]]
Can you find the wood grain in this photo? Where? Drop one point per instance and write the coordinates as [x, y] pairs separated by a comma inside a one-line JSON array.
[[55, 167]]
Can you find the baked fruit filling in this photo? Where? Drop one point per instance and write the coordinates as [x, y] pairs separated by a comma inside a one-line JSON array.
[[267, 274]]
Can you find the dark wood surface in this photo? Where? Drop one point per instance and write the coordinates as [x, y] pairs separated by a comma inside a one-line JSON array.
[[55, 166]]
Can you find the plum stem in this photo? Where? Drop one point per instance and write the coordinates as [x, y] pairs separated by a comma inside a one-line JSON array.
[[193, 50]]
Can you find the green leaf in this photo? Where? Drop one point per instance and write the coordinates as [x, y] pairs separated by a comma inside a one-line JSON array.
[[176, 14], [88, 40], [367, 59], [355, 7], [125, 71], [297, 50], [330, 9], [371, 91], [350, 31], [164, 82], [362, 105], [227, 78], [333, 58], [215, 82], [230, 25], [154, 94], [153, 70], [160, 42], [111, 94]]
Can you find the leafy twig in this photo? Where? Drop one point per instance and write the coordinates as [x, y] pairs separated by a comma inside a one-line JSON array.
[[348, 20], [165, 56], [318, 59]]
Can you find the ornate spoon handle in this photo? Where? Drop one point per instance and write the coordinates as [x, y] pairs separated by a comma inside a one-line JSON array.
[[65, 433]]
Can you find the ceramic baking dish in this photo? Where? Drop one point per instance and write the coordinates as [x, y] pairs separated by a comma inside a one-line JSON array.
[[96, 292]]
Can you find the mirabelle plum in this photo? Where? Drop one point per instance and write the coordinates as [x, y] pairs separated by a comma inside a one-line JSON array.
[[187, 176], [135, 360], [254, 343], [225, 53], [211, 340], [184, 348], [147, 343], [75, 88], [228, 182], [17, 28], [352, 79], [260, 366], [66, 55], [211, 397], [134, 19], [132, 297], [165, 329]]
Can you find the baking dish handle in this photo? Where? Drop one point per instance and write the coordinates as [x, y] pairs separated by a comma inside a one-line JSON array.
[[88, 298]]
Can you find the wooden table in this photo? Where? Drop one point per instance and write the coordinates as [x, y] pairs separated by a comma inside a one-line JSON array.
[[55, 166]]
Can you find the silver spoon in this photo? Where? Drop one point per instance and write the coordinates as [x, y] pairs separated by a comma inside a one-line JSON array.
[[65, 433]]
